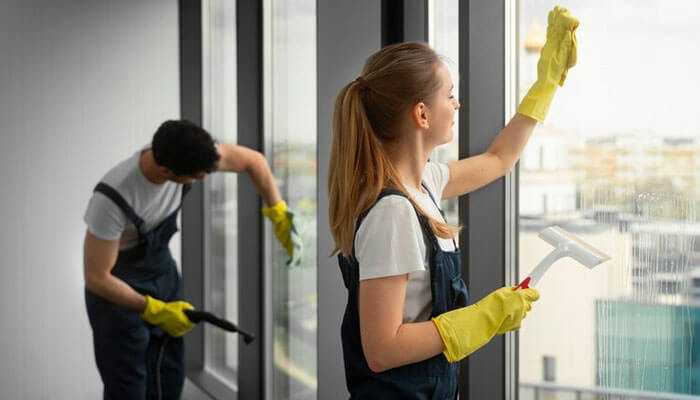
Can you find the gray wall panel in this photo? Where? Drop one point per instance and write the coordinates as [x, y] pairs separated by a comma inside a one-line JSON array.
[[482, 62], [250, 260], [348, 32], [193, 212]]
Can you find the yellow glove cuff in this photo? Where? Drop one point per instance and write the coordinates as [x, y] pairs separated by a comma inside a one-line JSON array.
[[153, 307], [536, 102], [448, 335], [277, 212]]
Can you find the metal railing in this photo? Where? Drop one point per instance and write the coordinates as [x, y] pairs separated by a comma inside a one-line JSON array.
[[544, 391]]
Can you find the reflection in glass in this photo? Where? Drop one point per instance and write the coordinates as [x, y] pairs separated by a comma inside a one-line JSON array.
[[221, 274], [615, 164], [290, 121]]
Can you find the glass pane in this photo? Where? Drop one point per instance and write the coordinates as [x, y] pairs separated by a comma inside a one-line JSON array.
[[443, 36], [290, 116], [615, 164], [220, 104]]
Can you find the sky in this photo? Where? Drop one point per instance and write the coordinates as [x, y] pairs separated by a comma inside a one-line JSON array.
[[638, 67]]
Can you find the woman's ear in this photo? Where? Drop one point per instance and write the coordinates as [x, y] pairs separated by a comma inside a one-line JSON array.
[[419, 115]]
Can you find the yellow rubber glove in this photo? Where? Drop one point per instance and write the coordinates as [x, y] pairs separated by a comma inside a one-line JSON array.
[[285, 231], [557, 56], [512, 322], [169, 317], [467, 329]]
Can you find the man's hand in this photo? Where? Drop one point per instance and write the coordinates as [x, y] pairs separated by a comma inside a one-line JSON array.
[[285, 230], [170, 317]]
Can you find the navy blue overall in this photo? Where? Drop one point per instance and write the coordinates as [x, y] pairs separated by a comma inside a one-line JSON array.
[[433, 378], [136, 360]]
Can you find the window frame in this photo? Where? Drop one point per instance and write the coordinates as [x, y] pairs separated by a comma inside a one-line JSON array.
[[196, 210], [489, 215]]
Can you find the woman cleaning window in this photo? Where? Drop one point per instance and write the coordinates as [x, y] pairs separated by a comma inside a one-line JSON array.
[[407, 322]]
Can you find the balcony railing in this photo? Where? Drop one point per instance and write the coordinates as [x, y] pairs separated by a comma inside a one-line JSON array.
[[550, 391]]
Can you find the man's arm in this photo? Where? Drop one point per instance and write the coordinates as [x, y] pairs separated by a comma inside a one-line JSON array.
[[99, 259], [235, 158]]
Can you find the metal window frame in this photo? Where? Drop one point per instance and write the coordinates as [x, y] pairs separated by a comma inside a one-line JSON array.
[[190, 21], [266, 136], [489, 215], [251, 266], [404, 21], [195, 212], [512, 184]]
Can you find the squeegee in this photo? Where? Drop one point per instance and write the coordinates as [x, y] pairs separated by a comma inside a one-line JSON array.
[[565, 245]]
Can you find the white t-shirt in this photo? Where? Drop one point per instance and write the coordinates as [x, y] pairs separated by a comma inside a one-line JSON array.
[[390, 242], [151, 202]]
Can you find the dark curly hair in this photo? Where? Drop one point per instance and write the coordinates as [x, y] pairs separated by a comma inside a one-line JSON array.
[[184, 148]]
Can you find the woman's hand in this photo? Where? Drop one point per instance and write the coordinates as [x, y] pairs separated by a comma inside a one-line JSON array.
[[558, 55], [467, 329]]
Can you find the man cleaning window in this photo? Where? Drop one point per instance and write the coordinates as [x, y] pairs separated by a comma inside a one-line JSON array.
[[133, 288]]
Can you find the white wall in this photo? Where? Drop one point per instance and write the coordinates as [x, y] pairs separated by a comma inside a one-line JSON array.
[[83, 84]]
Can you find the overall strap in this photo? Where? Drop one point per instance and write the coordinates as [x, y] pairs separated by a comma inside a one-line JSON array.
[[438, 207], [121, 203], [172, 217], [185, 189], [383, 194]]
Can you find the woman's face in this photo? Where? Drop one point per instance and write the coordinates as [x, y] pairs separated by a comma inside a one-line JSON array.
[[443, 108]]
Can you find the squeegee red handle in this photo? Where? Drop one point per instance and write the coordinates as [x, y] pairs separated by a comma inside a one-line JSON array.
[[525, 284]]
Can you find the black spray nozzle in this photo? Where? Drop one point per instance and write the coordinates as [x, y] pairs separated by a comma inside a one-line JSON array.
[[198, 316]]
